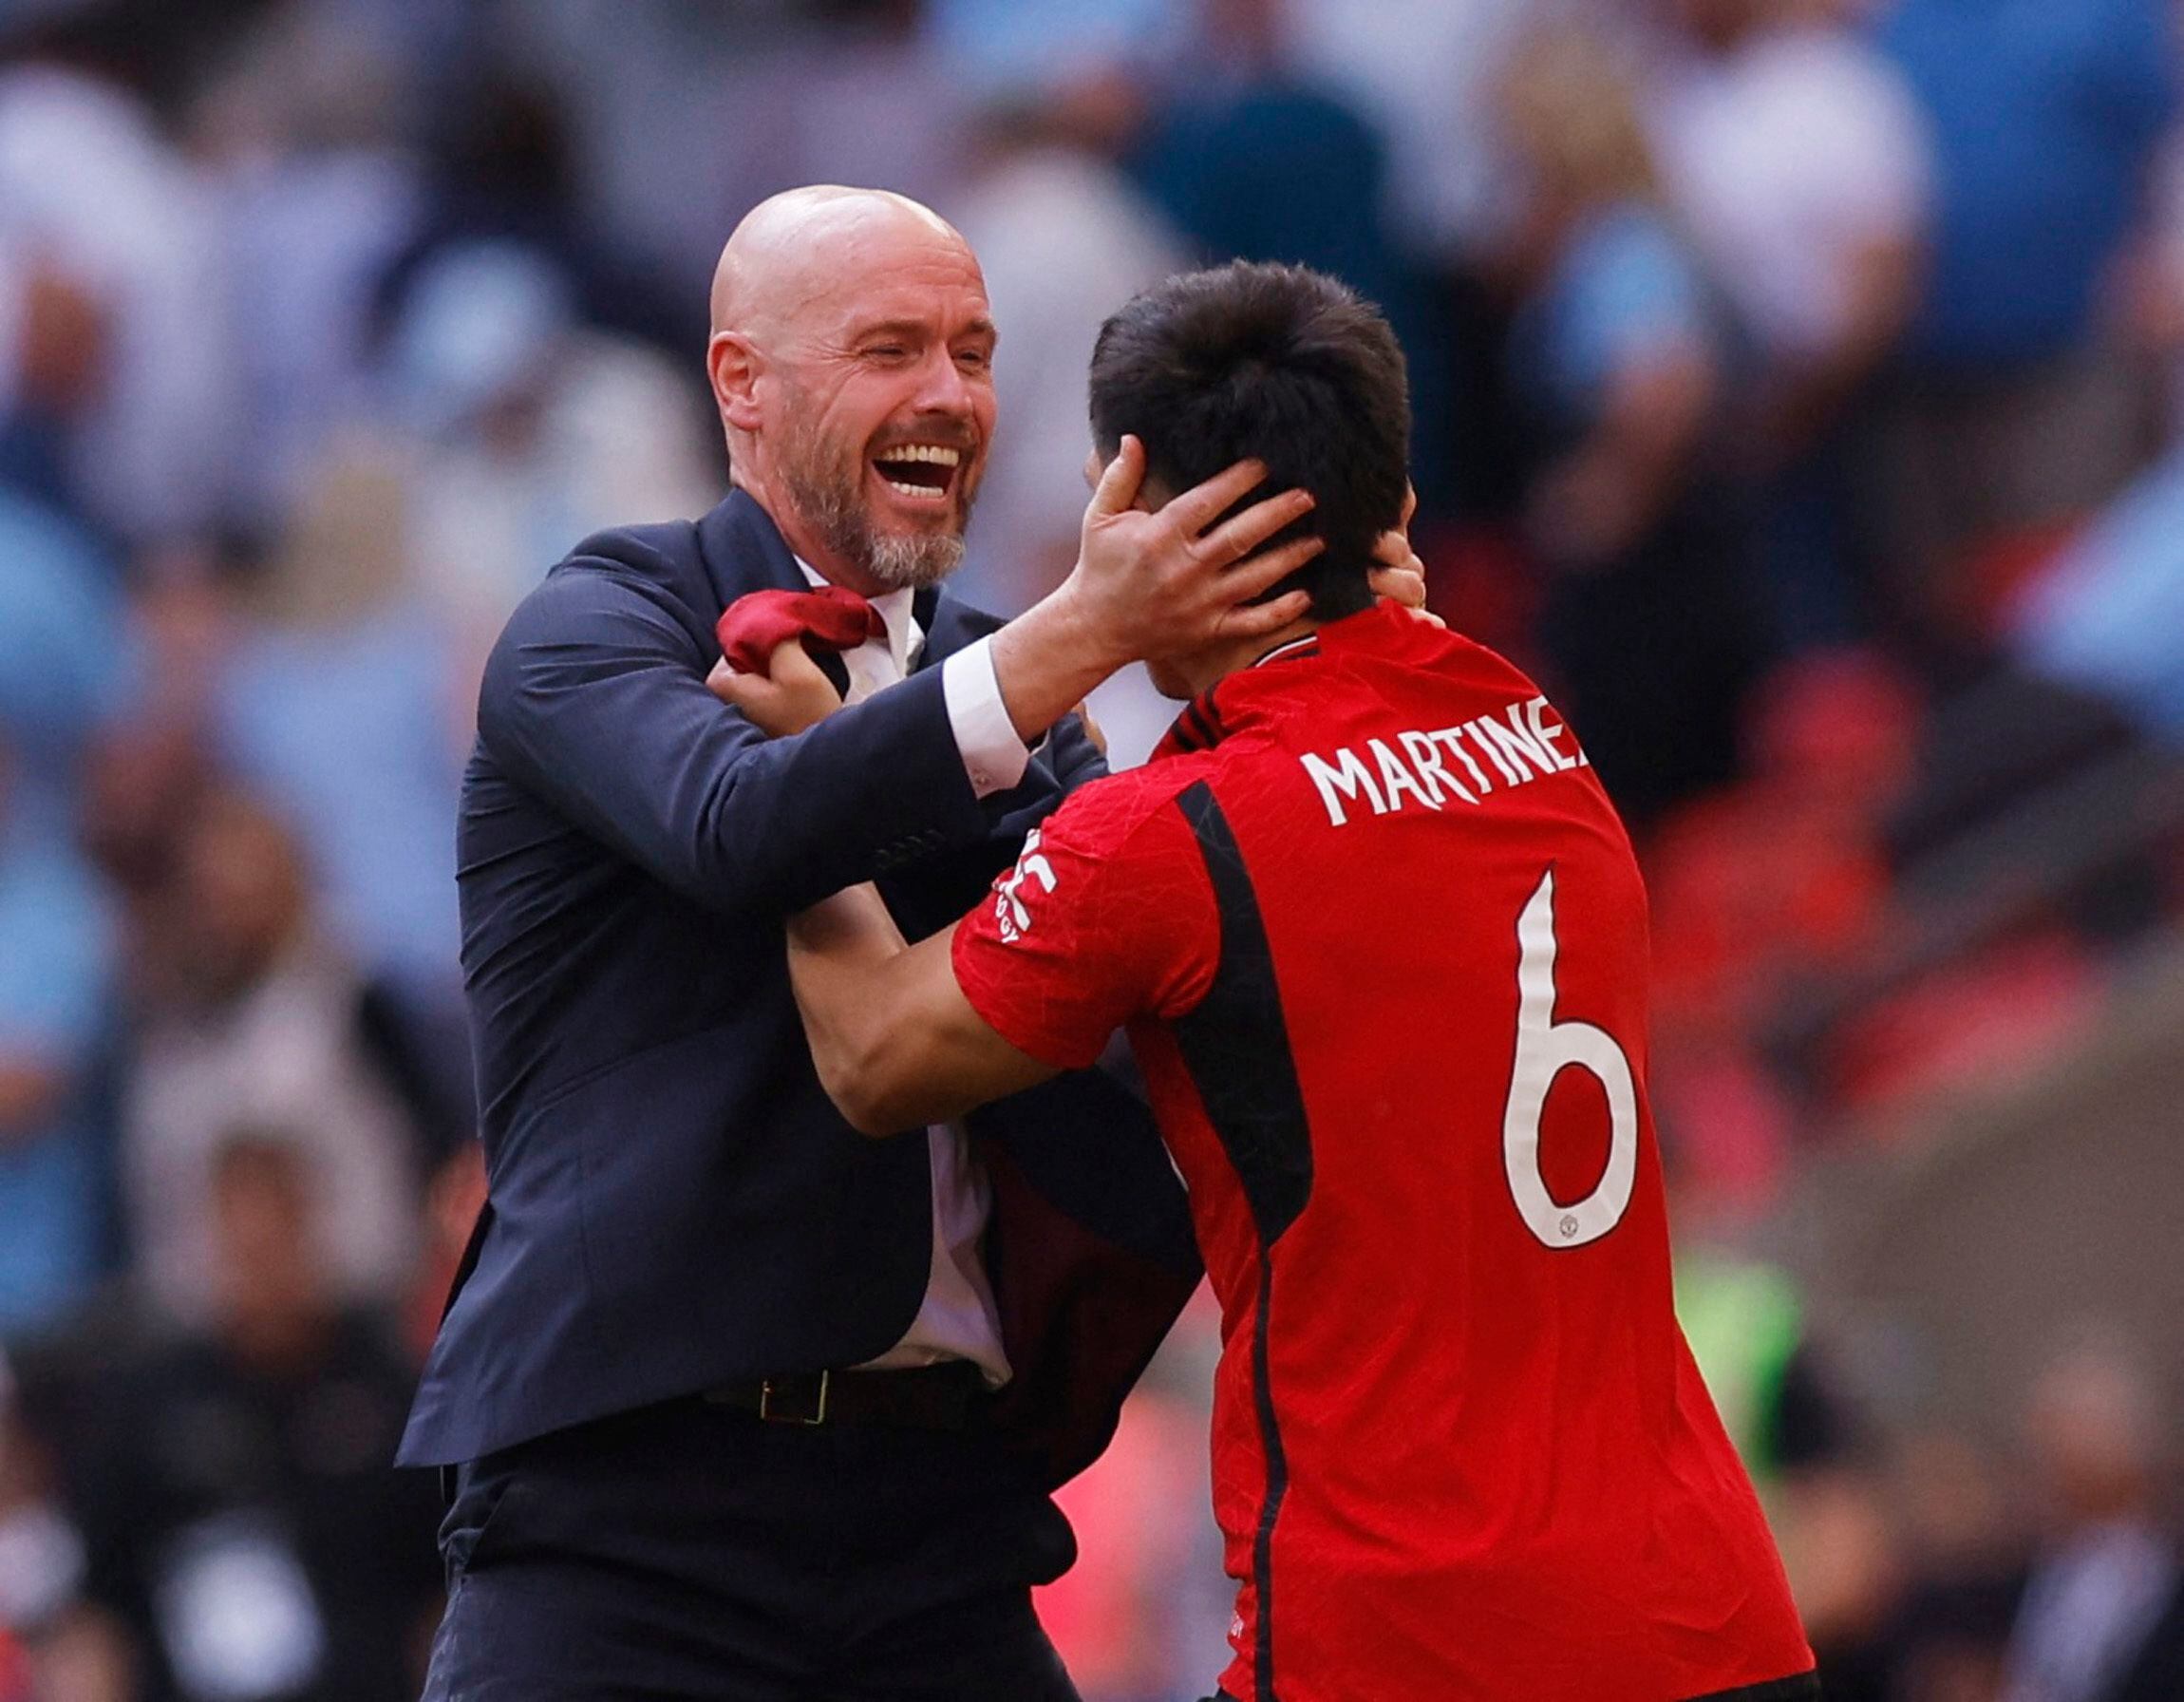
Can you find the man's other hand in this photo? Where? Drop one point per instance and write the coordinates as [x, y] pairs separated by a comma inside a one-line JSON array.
[[791, 695], [1398, 575]]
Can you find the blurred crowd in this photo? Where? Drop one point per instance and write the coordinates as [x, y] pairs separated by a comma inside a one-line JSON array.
[[1798, 389]]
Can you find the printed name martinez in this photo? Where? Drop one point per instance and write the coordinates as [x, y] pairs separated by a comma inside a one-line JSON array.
[[1519, 745]]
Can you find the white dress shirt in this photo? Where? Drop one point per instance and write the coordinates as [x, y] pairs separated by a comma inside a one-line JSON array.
[[957, 1319]]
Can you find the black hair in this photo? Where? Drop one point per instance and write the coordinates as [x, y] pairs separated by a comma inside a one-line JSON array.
[[1280, 363]]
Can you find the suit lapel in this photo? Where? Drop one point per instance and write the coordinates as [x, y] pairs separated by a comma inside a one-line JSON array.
[[744, 550]]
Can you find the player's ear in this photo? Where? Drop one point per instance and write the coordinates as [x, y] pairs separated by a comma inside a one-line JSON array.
[[1094, 468]]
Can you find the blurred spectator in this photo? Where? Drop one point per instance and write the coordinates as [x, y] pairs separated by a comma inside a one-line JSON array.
[[62, 655], [1254, 157], [241, 1519], [1064, 239], [64, 671], [257, 1019], [1749, 1330], [116, 380], [518, 429], [1797, 158], [1840, 1552], [1252, 160], [141, 790], [345, 704], [2044, 120], [1426, 73], [53, 980], [2020, 404], [301, 129], [997, 48], [2102, 1619], [1616, 367], [1964, 1570], [340, 700], [503, 167]]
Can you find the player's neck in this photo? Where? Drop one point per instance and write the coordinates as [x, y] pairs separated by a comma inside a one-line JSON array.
[[1208, 667]]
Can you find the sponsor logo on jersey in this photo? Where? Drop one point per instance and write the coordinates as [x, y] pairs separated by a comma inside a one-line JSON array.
[[1009, 909]]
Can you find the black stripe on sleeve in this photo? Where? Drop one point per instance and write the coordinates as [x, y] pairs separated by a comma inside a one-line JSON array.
[[1236, 1045]]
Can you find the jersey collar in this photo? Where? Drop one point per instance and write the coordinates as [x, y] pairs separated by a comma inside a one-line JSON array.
[[1199, 726]]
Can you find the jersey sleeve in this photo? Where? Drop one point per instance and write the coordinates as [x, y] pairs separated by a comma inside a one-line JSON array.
[[1107, 916]]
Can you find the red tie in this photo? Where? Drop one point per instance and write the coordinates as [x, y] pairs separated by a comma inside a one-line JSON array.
[[827, 617]]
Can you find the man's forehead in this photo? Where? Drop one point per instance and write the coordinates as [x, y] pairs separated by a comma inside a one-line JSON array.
[[943, 300]]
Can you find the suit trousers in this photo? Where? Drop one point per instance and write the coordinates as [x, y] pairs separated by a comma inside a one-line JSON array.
[[691, 1552]]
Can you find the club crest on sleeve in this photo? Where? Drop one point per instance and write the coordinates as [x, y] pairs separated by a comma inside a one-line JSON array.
[[1009, 911]]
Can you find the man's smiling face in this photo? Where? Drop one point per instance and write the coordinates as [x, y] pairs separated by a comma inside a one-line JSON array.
[[877, 404]]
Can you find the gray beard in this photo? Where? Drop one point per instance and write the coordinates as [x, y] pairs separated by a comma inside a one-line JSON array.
[[832, 504], [908, 564]]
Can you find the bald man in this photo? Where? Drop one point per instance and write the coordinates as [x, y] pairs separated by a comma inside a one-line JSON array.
[[738, 1404]]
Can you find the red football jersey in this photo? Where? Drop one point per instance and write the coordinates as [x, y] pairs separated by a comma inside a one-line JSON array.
[[1381, 945]]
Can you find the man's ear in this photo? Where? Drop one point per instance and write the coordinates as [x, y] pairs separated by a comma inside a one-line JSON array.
[[734, 366]]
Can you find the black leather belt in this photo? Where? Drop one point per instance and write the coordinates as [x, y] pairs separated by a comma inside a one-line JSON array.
[[933, 1397]]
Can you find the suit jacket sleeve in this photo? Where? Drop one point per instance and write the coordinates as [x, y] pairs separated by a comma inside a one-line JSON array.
[[1076, 761], [594, 700]]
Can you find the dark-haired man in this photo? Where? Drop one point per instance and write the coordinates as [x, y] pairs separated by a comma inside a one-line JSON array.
[[1380, 943]]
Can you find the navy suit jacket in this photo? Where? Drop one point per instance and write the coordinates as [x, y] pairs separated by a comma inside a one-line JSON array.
[[674, 1203]]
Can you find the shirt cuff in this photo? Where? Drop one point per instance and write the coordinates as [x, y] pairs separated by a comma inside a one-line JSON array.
[[993, 756]]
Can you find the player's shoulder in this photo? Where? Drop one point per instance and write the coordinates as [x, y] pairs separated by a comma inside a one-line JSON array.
[[1111, 814], [1453, 655]]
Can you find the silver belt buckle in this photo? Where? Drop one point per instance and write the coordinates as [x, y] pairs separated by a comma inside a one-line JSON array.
[[766, 1397]]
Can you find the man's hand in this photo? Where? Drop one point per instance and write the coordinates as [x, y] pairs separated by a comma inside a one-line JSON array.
[[791, 695], [1152, 584], [1399, 576], [1162, 584]]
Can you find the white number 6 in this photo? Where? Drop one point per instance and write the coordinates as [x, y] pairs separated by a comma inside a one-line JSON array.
[[1544, 1049]]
